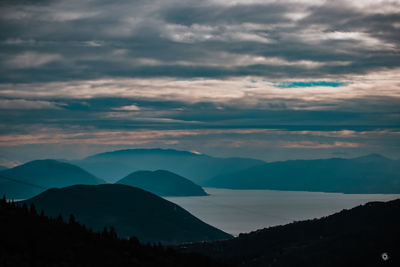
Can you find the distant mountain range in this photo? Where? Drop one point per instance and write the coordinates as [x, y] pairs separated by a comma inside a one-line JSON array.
[[369, 174], [3, 168], [112, 166], [367, 235], [28, 180], [163, 183], [132, 211]]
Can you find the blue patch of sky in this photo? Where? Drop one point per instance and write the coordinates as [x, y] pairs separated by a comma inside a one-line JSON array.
[[290, 84]]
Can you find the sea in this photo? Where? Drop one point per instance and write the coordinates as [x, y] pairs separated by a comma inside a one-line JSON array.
[[243, 211]]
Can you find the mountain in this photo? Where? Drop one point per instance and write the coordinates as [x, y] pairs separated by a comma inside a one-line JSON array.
[[163, 183], [198, 168], [3, 168], [356, 237], [369, 174], [29, 179], [29, 239], [132, 211]]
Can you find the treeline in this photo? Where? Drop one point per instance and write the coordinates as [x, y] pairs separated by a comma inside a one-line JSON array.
[[29, 238], [367, 235]]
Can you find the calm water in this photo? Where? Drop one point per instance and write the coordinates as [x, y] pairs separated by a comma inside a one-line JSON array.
[[240, 211]]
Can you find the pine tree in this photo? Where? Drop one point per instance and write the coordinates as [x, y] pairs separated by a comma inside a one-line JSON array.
[[112, 233], [33, 209], [72, 219]]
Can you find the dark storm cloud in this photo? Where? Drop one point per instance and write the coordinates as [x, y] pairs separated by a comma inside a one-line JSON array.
[[170, 38]]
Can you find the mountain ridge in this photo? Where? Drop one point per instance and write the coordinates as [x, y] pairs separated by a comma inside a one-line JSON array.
[[31, 178], [367, 174], [130, 210], [30, 239], [356, 237], [114, 165], [163, 183]]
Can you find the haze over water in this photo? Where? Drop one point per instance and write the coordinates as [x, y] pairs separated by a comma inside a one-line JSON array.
[[242, 211]]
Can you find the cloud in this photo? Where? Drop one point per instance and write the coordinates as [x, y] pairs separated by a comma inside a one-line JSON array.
[[30, 59], [270, 39], [28, 104], [236, 137], [128, 108], [245, 92], [317, 145], [311, 75]]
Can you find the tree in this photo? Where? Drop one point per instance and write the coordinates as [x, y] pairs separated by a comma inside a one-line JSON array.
[[72, 219], [33, 209], [112, 233]]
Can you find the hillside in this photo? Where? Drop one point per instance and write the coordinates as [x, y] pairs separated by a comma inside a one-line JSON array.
[[132, 211], [369, 174], [29, 179], [29, 239], [3, 168], [356, 237], [163, 183], [198, 168]]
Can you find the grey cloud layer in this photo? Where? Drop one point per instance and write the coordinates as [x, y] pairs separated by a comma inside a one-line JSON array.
[[59, 40], [200, 75]]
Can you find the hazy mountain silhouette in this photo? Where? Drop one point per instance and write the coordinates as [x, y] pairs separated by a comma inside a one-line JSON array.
[[29, 239], [368, 174], [29, 179], [3, 168], [163, 183], [112, 166], [356, 237], [132, 211]]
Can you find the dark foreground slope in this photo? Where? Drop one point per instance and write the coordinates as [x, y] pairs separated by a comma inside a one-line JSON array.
[[31, 178], [27, 239], [356, 237], [163, 183], [132, 211], [368, 174], [114, 165]]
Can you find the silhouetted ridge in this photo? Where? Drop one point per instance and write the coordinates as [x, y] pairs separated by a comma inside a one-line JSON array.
[[112, 166], [369, 174], [132, 211], [356, 237], [31, 178], [163, 183], [374, 157], [29, 239]]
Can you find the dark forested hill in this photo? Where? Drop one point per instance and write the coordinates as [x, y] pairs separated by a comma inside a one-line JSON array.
[[163, 183], [29, 179], [369, 174], [361, 236], [112, 166], [132, 211], [28, 239]]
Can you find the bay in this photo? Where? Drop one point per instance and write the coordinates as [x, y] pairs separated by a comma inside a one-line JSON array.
[[242, 211]]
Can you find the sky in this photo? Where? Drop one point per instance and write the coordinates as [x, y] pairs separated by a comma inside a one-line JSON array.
[[273, 80]]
